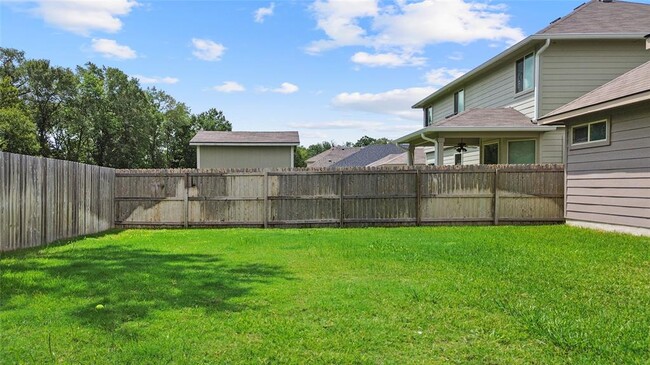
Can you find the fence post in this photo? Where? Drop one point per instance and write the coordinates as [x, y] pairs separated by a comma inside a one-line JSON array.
[[44, 202], [341, 199], [496, 197], [186, 201], [265, 217], [418, 197]]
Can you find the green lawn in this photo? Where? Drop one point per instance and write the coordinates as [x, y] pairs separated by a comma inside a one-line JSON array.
[[483, 295]]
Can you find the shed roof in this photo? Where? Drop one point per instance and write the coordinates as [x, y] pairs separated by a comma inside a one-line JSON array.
[[287, 138], [633, 86]]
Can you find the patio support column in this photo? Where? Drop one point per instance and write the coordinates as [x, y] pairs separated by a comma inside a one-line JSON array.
[[440, 151], [411, 154]]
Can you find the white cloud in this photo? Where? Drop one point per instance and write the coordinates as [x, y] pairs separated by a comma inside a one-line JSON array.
[[387, 59], [442, 76], [406, 27], [156, 79], [340, 21], [207, 50], [84, 16], [395, 102], [262, 13], [285, 88], [111, 49], [229, 87]]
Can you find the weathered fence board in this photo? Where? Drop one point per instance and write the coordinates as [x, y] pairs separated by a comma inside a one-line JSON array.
[[348, 197], [44, 200]]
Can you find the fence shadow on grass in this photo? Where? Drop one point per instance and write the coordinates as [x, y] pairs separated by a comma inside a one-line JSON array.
[[132, 283]]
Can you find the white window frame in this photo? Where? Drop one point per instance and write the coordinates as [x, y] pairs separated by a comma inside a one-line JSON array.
[[482, 152], [589, 142], [521, 140], [523, 59], [456, 109]]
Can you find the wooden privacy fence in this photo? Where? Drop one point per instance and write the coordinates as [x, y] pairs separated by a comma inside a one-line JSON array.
[[350, 197], [43, 200]]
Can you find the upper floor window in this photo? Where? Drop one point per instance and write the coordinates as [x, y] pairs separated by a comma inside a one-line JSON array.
[[525, 73], [428, 116], [590, 132], [459, 101]]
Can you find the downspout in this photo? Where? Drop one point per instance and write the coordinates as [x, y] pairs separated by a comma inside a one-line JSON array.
[[537, 77], [435, 144]]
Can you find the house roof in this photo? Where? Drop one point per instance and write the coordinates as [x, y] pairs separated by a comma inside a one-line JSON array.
[[402, 158], [599, 17], [592, 20], [368, 155], [487, 117], [331, 156], [289, 138], [631, 87], [477, 121]]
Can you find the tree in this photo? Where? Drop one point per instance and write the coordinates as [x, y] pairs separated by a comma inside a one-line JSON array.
[[367, 141], [46, 90], [17, 131], [317, 148], [211, 120], [300, 156]]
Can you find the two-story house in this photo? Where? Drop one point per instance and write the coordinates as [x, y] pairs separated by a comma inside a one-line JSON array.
[[493, 109]]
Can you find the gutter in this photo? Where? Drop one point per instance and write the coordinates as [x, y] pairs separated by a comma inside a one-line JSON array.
[[435, 144], [538, 77]]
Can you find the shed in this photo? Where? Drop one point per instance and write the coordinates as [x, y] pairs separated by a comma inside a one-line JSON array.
[[216, 150], [608, 154]]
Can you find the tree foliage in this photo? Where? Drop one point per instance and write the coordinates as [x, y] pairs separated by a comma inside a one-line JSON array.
[[96, 115]]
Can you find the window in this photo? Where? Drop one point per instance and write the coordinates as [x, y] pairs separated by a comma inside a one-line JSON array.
[[491, 154], [521, 152], [428, 116], [590, 132], [459, 101], [458, 159], [525, 73]]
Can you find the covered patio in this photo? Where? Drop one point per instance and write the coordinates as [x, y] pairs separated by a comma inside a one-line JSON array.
[[501, 135]]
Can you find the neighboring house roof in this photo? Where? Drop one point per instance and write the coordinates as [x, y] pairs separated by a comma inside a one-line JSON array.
[[331, 156], [631, 87], [368, 155], [402, 159], [481, 120], [593, 20], [214, 138]]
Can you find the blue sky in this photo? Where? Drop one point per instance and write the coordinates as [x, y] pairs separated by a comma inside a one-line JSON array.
[[333, 70]]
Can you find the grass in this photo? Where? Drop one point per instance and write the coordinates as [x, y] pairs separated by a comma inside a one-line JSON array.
[[483, 295]]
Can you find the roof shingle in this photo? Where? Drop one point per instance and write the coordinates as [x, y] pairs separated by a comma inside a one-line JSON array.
[[603, 17], [488, 117], [252, 138]]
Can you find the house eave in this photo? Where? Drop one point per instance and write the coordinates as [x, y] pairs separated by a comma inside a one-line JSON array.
[[433, 129], [627, 100], [526, 42]]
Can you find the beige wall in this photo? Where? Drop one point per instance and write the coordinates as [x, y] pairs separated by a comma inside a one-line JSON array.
[[610, 184], [495, 88], [214, 157], [570, 69]]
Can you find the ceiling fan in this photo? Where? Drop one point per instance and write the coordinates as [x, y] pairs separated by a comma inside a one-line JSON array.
[[460, 147]]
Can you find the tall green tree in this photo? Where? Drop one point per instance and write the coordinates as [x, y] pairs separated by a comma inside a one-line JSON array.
[[17, 131], [46, 90]]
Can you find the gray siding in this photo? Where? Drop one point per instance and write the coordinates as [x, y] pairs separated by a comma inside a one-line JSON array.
[[493, 89], [212, 157], [611, 184], [570, 69], [551, 145]]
